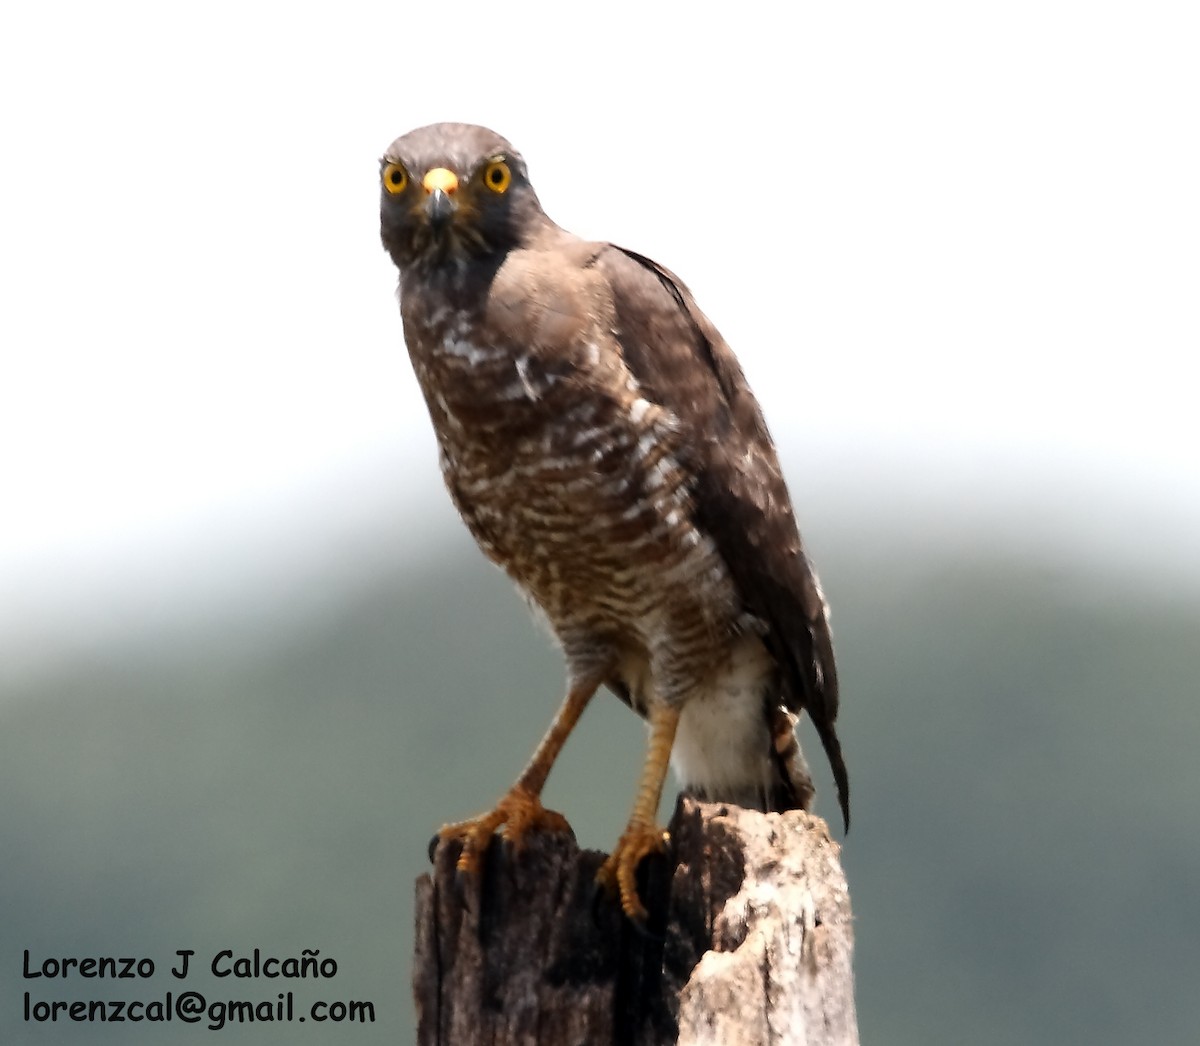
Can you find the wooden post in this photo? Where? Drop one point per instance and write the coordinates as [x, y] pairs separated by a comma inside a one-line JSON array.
[[749, 942]]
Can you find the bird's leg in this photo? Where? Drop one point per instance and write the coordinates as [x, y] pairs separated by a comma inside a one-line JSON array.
[[520, 809], [641, 835]]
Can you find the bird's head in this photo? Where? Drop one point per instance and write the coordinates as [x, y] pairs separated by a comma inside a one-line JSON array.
[[451, 193]]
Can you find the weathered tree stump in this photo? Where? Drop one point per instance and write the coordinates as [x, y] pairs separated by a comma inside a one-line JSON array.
[[749, 942]]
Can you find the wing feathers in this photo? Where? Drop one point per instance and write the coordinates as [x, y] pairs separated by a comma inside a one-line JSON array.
[[682, 362]]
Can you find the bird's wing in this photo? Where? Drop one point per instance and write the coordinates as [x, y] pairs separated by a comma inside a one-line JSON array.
[[740, 498]]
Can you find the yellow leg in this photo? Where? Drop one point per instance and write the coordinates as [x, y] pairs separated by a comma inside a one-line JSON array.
[[520, 810], [641, 835]]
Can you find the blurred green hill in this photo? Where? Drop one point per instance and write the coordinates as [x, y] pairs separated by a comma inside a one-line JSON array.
[[1021, 736]]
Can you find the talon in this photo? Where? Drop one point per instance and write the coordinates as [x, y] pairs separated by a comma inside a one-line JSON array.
[[520, 811], [618, 873]]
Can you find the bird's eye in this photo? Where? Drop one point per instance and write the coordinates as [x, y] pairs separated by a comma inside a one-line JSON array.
[[497, 176], [395, 178]]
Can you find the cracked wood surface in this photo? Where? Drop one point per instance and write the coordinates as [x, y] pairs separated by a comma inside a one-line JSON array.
[[749, 942]]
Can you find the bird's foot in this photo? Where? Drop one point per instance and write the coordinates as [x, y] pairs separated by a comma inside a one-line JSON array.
[[617, 874], [520, 811]]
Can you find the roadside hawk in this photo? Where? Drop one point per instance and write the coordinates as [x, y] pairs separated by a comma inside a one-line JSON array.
[[601, 444]]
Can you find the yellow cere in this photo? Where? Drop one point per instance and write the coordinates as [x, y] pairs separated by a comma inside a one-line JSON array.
[[440, 178]]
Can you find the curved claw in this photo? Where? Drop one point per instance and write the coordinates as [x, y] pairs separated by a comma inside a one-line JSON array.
[[618, 873], [519, 812]]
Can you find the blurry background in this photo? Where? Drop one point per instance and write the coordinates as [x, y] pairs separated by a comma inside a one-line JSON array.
[[249, 660]]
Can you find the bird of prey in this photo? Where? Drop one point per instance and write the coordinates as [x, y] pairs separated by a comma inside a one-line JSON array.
[[599, 440]]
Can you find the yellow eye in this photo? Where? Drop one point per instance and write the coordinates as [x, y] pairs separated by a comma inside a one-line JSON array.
[[395, 178], [497, 176]]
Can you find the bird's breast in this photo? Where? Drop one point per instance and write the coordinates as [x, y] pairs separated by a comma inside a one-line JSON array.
[[576, 485]]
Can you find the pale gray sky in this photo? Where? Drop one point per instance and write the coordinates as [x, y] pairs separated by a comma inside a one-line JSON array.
[[957, 235]]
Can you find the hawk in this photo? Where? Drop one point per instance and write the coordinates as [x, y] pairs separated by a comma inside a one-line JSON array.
[[599, 440]]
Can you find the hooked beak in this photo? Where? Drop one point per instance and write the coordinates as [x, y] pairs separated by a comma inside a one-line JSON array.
[[440, 185]]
